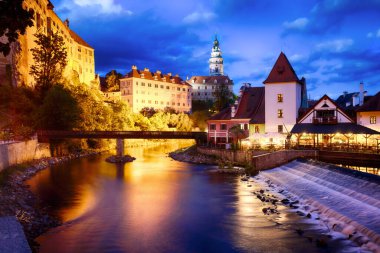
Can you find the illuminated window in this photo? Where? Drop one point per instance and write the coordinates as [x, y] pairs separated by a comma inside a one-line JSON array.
[[280, 128], [257, 130], [212, 127], [279, 113], [280, 98], [372, 119]]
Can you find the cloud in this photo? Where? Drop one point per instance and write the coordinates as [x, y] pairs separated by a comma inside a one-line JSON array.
[[339, 45], [196, 17], [298, 24], [369, 35], [328, 16], [79, 9], [378, 33]]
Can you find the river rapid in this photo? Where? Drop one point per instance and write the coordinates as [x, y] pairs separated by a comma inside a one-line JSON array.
[[156, 204]]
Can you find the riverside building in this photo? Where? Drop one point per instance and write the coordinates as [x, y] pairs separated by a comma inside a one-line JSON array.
[[204, 86], [15, 68], [142, 88]]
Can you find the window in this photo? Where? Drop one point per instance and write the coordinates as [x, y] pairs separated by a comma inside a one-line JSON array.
[[161, 86], [212, 127], [179, 89], [279, 113], [257, 130], [223, 126], [167, 87], [142, 84], [280, 128], [280, 98], [149, 85], [183, 89], [372, 119], [156, 86], [246, 127]]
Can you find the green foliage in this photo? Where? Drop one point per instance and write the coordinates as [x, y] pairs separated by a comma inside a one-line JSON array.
[[200, 118], [59, 111], [49, 61], [112, 81], [237, 133], [13, 21], [223, 97], [17, 107]]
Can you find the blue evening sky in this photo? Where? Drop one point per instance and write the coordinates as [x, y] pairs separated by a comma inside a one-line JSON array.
[[334, 44]]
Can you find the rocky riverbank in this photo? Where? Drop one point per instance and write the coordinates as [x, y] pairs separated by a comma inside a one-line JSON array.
[[17, 200], [191, 155]]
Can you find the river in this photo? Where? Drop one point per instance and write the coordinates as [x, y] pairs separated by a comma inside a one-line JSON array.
[[155, 204]]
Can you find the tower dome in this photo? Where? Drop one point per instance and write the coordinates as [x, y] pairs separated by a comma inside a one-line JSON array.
[[216, 59]]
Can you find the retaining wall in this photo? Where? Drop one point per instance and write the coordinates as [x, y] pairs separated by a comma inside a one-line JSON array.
[[20, 152], [260, 160]]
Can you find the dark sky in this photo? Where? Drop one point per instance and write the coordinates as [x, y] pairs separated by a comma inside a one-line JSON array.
[[334, 44]]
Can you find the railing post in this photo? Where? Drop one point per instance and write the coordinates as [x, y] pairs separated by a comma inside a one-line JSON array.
[[120, 147]]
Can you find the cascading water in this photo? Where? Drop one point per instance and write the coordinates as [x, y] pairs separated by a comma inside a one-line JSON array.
[[346, 202]]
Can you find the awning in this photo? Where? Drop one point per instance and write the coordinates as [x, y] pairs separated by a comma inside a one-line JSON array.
[[343, 128]]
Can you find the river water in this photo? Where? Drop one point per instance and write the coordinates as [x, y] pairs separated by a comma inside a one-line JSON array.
[[155, 204]]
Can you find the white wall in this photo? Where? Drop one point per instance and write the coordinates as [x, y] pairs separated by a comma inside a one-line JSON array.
[[340, 116], [291, 102], [363, 119]]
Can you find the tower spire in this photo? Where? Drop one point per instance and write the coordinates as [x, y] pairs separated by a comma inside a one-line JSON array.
[[216, 59]]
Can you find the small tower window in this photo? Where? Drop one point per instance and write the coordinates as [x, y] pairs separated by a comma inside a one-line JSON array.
[[372, 119], [280, 113], [280, 98]]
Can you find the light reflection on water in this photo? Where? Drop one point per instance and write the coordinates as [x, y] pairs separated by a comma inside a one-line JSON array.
[[155, 204]]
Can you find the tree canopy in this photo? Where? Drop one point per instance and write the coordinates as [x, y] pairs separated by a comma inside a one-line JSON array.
[[223, 97], [14, 20], [50, 59], [112, 81]]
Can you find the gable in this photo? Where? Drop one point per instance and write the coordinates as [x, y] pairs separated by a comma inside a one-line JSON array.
[[282, 71]]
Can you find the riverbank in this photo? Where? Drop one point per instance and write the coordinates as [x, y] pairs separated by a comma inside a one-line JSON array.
[[17, 200], [191, 155]]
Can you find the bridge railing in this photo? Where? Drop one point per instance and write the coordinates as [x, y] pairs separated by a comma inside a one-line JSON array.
[[51, 134]]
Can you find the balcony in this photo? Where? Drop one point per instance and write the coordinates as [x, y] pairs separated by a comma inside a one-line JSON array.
[[325, 120]]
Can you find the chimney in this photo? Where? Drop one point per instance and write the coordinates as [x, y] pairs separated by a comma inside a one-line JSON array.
[[146, 69], [134, 67], [233, 112], [67, 22], [361, 93]]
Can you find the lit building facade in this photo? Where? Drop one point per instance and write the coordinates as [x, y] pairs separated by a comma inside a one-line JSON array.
[[368, 114], [15, 68], [142, 88], [204, 86]]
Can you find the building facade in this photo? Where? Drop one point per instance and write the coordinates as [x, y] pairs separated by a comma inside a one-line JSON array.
[[368, 114], [15, 68], [204, 87], [142, 88]]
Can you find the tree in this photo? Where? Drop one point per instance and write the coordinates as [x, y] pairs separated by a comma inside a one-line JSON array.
[[223, 97], [50, 61], [13, 21], [148, 111], [113, 81], [59, 111], [238, 134]]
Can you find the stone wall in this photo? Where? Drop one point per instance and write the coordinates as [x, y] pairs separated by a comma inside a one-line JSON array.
[[19, 152], [260, 160], [275, 159]]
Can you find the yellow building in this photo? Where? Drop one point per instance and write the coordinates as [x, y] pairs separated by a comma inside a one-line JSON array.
[[16, 66], [142, 88]]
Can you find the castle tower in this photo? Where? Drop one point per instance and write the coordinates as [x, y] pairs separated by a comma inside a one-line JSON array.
[[216, 60]]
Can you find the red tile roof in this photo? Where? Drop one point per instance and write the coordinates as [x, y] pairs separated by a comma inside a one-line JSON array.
[[251, 106], [282, 71], [371, 105], [210, 79], [146, 74], [78, 39]]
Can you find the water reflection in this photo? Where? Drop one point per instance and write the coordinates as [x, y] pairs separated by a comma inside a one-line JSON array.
[[155, 204]]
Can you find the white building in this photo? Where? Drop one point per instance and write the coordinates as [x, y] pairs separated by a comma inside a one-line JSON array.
[[204, 86], [368, 114], [285, 94]]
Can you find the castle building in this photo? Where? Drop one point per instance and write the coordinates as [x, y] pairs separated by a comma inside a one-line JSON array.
[[204, 86], [142, 88], [15, 68]]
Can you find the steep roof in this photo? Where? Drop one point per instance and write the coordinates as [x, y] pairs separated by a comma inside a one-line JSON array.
[[251, 106], [282, 71], [372, 104], [78, 39], [146, 74], [210, 80]]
